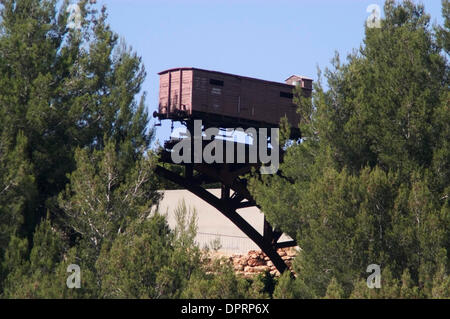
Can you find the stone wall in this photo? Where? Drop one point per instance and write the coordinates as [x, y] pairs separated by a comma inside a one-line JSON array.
[[256, 262]]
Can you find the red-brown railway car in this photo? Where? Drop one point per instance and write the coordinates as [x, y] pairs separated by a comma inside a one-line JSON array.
[[227, 100]]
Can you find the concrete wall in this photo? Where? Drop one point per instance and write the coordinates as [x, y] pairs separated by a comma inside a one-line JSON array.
[[212, 224]]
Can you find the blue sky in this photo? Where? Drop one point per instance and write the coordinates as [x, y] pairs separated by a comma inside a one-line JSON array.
[[265, 39]]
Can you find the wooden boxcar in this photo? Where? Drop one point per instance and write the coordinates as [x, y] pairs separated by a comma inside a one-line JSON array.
[[227, 100]]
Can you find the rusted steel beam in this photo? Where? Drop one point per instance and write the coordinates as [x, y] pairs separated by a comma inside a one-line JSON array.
[[276, 236], [286, 244], [267, 231], [225, 193], [203, 179], [244, 204], [225, 208], [226, 178]]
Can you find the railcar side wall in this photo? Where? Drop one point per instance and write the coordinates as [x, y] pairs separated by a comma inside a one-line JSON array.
[[227, 95]]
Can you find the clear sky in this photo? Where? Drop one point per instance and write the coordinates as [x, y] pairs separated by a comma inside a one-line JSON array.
[[269, 40]]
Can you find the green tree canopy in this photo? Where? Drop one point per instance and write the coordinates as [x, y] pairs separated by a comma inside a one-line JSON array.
[[369, 182], [63, 88]]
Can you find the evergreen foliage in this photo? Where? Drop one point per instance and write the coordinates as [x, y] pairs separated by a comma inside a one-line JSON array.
[[369, 182]]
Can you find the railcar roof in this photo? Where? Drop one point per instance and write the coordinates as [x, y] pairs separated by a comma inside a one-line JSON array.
[[227, 74]]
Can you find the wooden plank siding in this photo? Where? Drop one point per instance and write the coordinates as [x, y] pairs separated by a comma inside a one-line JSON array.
[[234, 99]]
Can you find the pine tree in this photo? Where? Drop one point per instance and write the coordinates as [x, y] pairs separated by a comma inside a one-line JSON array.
[[68, 94], [369, 181], [42, 272], [334, 290], [222, 283], [17, 187], [130, 267], [31, 274], [65, 88], [148, 260], [290, 288], [17, 190], [105, 194]]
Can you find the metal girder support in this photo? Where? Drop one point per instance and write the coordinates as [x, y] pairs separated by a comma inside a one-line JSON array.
[[246, 204], [276, 235], [227, 178], [265, 243], [285, 244]]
